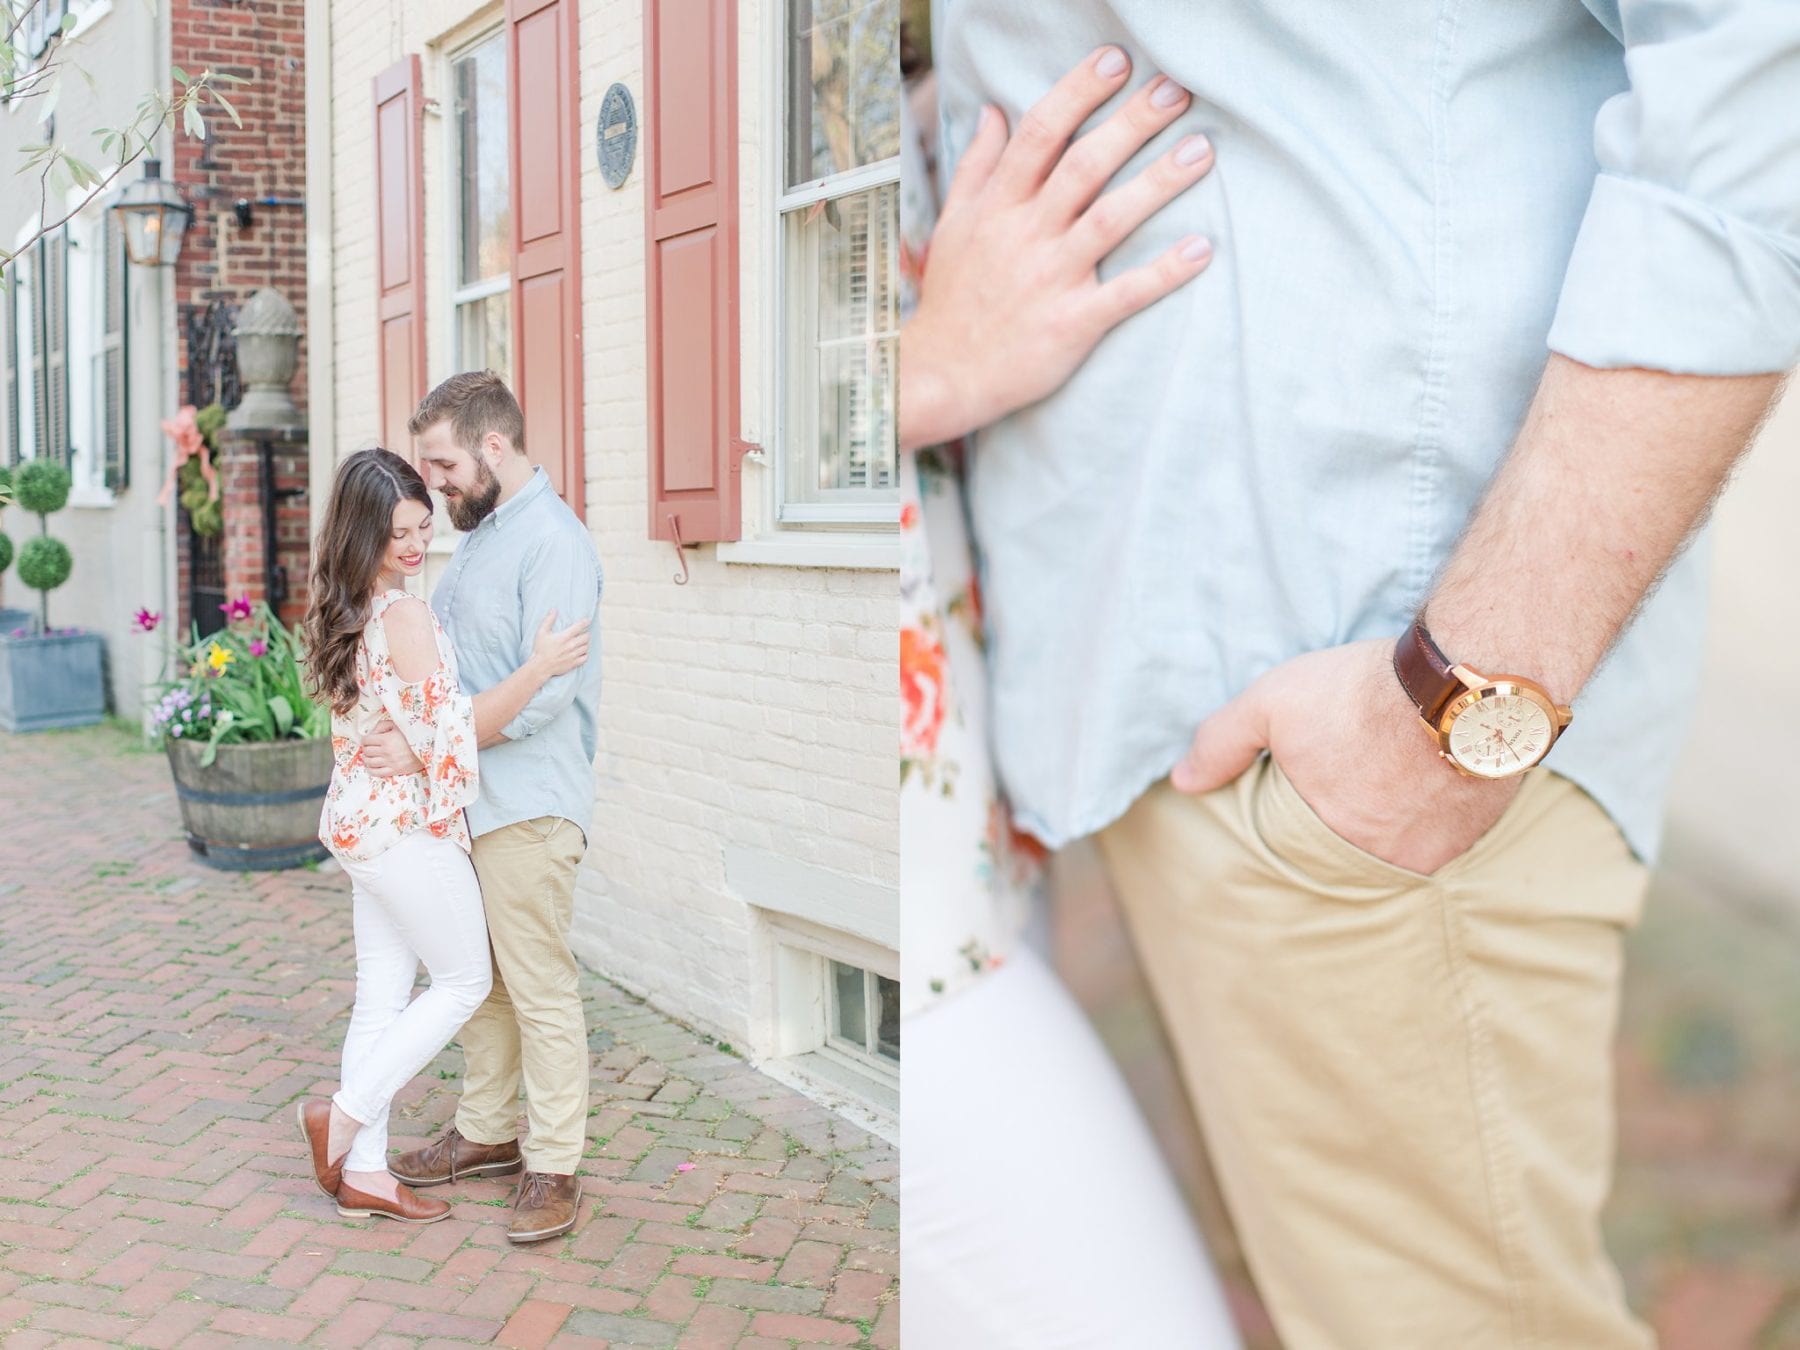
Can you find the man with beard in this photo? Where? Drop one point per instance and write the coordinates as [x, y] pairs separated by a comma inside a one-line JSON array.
[[524, 555]]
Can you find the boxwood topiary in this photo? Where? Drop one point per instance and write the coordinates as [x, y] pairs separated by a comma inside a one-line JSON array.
[[44, 563]]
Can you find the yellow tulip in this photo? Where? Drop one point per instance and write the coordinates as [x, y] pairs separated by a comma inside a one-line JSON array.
[[219, 657]]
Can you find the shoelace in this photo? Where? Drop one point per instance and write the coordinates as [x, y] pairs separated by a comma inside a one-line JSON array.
[[535, 1190]]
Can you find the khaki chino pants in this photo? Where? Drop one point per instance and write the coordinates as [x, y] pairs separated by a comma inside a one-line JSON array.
[[531, 1027], [1405, 1081]]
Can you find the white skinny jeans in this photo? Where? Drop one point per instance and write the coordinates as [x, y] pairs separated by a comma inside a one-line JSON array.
[[1036, 1212], [418, 901]]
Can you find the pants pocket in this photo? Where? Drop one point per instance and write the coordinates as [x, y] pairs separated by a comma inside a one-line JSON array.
[[1302, 847]]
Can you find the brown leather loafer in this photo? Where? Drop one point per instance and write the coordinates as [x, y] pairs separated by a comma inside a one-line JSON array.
[[544, 1207], [453, 1157], [406, 1206], [315, 1127]]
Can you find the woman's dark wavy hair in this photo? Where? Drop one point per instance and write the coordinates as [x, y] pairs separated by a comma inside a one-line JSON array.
[[353, 539]]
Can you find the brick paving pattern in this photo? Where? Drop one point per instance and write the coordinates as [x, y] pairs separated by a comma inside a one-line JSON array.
[[1704, 1219], [158, 1021]]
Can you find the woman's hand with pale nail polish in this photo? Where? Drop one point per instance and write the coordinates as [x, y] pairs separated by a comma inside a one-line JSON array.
[[1011, 303]]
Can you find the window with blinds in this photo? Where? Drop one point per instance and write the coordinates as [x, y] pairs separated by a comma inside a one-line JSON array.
[[49, 306], [9, 372], [109, 359], [840, 262]]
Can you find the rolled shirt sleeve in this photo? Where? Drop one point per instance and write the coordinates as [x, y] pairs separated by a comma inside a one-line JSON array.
[[561, 574], [1688, 257]]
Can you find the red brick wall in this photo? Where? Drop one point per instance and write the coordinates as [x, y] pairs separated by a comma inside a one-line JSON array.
[[262, 41], [245, 574]]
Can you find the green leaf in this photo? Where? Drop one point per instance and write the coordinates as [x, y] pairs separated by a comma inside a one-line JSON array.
[[214, 76], [181, 76], [284, 713], [192, 122], [50, 99], [82, 172], [221, 724], [68, 23], [226, 105]]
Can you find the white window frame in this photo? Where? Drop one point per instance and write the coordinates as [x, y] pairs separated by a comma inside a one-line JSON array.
[[860, 1055], [787, 200], [804, 1053], [19, 294], [87, 475], [458, 296]]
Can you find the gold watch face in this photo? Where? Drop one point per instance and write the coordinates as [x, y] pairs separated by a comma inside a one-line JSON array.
[[1498, 731]]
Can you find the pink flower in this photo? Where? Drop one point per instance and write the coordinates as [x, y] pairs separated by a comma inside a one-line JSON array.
[[258, 647], [238, 608], [146, 621], [184, 430]]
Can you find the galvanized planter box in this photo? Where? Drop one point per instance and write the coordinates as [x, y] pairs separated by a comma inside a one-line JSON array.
[[256, 807], [17, 618], [52, 681]]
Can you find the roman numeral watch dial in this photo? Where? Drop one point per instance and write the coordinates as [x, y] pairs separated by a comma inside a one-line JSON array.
[[1500, 735], [1486, 726]]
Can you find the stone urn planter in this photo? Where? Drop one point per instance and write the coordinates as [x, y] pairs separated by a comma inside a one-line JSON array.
[[256, 807], [56, 680]]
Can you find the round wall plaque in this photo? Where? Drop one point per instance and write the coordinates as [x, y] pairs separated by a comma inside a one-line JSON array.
[[616, 135]]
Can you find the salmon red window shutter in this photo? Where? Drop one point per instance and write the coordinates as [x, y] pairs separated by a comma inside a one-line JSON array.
[[399, 250], [544, 88], [691, 231]]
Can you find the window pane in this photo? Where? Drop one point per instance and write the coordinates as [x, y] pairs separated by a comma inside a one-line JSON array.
[[843, 93], [848, 1019], [887, 1025], [485, 227], [484, 335], [843, 331]]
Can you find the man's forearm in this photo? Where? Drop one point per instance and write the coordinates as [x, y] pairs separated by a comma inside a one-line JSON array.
[[1611, 473], [495, 708]]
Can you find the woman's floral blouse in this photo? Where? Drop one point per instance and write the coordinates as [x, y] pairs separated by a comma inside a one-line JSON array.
[[366, 814], [966, 877]]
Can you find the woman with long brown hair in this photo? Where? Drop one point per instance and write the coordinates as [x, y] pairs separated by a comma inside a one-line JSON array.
[[377, 654]]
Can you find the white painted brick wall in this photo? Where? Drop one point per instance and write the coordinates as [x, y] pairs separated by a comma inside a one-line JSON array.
[[754, 707]]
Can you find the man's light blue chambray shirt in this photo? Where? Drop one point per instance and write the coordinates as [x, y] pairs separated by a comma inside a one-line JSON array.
[[1412, 201], [530, 556]]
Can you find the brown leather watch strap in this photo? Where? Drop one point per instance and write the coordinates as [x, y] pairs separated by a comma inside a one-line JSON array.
[[1424, 672]]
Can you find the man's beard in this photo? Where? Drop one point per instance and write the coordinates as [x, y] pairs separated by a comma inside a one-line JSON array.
[[469, 509]]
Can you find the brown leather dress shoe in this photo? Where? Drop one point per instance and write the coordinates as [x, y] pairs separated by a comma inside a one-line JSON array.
[[544, 1207], [315, 1127], [453, 1157], [406, 1206]]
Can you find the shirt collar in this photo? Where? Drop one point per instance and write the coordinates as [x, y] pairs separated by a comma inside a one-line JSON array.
[[516, 503]]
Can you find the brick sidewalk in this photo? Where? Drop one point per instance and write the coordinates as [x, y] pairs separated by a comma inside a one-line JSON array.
[[158, 1021]]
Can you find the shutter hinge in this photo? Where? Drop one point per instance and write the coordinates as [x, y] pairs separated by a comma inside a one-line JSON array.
[[742, 450]]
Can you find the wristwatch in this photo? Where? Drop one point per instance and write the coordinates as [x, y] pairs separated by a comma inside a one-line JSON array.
[[1486, 726]]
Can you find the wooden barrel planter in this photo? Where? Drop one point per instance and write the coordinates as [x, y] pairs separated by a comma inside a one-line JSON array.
[[256, 807]]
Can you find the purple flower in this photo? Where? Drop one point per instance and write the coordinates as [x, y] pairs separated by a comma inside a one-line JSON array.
[[146, 620], [18, 632], [238, 608], [258, 647]]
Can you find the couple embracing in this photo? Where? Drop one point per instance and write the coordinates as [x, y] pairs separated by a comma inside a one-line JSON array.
[[463, 739]]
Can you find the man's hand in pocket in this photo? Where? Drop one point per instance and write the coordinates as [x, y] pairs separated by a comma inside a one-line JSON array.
[[1348, 738]]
